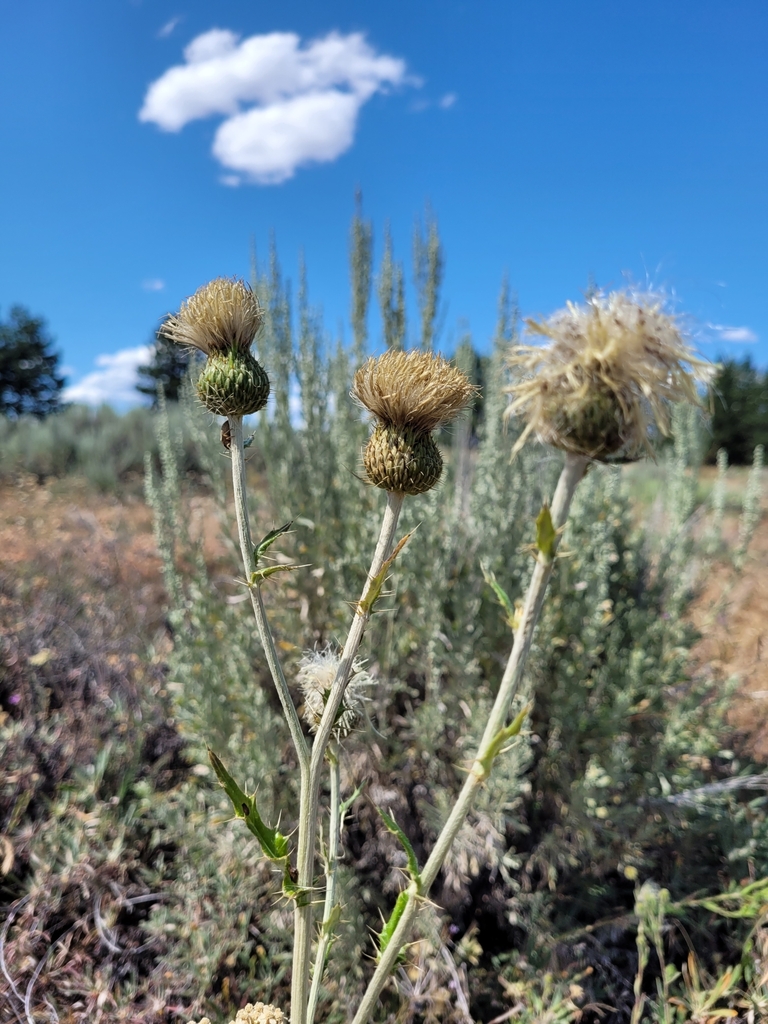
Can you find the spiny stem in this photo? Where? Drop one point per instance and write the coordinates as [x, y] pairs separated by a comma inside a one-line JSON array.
[[573, 471], [331, 876], [267, 640], [309, 810]]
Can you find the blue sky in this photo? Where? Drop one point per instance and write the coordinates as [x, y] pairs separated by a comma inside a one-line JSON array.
[[145, 143]]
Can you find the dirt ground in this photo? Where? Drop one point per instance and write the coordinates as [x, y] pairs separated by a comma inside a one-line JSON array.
[[731, 612]]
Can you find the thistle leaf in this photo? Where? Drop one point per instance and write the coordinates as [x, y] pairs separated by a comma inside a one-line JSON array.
[[365, 606], [501, 596], [291, 888], [274, 845], [546, 535], [259, 575], [503, 736], [345, 805], [413, 865], [266, 543], [386, 933]]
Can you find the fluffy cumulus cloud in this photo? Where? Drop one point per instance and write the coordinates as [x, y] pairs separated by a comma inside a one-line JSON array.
[[285, 104], [735, 334], [115, 379]]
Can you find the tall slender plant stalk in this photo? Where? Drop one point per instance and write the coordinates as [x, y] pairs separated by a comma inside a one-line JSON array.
[[570, 477], [310, 806], [331, 877], [265, 633], [311, 765]]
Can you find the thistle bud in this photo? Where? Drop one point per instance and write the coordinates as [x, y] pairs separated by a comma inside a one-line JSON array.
[[221, 320], [609, 375], [410, 394]]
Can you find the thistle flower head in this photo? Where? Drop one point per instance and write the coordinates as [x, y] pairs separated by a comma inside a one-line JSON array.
[[221, 316], [611, 371], [260, 1013], [411, 394], [412, 389], [255, 1013], [317, 671], [221, 319]]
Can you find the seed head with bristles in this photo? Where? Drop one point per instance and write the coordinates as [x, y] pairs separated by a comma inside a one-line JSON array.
[[222, 319], [412, 389], [222, 315], [611, 371], [317, 671], [411, 394]]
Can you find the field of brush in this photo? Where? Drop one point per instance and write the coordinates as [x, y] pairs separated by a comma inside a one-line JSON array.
[[620, 847]]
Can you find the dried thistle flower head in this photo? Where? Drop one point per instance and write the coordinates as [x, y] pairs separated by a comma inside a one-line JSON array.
[[412, 389], [222, 319], [260, 1013], [317, 671], [411, 394], [254, 1013], [222, 315], [613, 367]]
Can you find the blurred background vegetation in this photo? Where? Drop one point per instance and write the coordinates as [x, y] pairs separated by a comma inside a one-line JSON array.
[[585, 885]]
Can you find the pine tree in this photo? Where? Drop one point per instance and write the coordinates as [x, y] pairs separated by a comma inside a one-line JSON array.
[[169, 367], [740, 410], [29, 367]]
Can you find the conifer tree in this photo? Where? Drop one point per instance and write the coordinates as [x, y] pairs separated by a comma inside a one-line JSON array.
[[30, 383], [169, 367]]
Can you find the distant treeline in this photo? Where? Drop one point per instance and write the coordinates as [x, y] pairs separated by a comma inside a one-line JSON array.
[[739, 410]]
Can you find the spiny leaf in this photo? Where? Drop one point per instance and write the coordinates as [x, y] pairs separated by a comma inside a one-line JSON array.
[[274, 845], [546, 534], [501, 595], [346, 804], [259, 575], [365, 606], [266, 543], [291, 888], [394, 828], [385, 936], [503, 736]]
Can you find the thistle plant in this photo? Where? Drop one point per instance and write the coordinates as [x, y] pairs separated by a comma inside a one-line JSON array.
[[598, 390]]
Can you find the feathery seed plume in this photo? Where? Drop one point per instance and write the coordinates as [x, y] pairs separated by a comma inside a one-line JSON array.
[[611, 371], [221, 320], [317, 671], [222, 315], [411, 394]]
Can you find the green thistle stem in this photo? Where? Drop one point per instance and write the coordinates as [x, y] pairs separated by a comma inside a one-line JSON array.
[[573, 471], [331, 876], [267, 640], [310, 797]]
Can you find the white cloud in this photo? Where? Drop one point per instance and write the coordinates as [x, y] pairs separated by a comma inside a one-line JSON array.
[[153, 284], [114, 381], [285, 103], [168, 27], [269, 143], [447, 101], [735, 334]]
